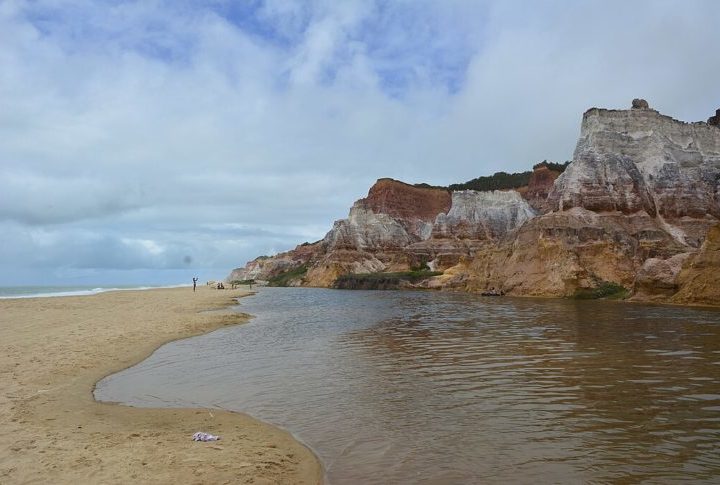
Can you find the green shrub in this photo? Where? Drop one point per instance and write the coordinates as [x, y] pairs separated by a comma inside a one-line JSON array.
[[499, 180], [242, 282], [606, 290], [555, 167], [284, 279], [422, 265], [496, 181], [381, 281], [428, 186]]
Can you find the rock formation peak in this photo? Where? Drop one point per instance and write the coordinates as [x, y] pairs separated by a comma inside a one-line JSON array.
[[638, 103], [715, 120]]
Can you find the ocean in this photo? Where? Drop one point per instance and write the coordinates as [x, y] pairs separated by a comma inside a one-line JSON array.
[[55, 291]]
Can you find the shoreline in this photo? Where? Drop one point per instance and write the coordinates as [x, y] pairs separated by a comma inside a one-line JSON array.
[[55, 350], [220, 311], [630, 300]]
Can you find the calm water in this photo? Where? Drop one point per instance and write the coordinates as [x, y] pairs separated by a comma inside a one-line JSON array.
[[424, 387]]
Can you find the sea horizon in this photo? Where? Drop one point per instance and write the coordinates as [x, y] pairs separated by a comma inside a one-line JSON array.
[[49, 291]]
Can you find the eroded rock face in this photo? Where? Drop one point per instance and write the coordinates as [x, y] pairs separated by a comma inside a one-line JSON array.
[[602, 184], [639, 160], [699, 278], [560, 253], [473, 219], [657, 279], [541, 183], [265, 267], [367, 230], [482, 215], [339, 262], [406, 202], [391, 217], [379, 230]]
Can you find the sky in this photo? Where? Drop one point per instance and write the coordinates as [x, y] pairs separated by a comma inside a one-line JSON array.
[[147, 142]]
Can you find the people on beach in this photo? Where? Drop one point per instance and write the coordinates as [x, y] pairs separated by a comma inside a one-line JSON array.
[[195, 280]]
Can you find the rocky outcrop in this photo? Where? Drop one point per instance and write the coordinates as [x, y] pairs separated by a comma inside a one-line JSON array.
[[562, 252], [261, 268], [365, 230], [714, 120], [392, 216], [699, 278], [339, 262], [638, 103], [541, 183], [482, 215], [632, 210], [657, 279], [639, 160], [379, 230], [474, 219], [406, 202], [264, 268]]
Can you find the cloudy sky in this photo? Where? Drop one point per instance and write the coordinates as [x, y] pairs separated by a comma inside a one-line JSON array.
[[150, 141]]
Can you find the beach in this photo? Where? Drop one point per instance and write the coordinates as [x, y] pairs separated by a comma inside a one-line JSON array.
[[54, 350]]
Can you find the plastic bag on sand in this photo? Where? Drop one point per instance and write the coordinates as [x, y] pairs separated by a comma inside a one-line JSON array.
[[200, 436]]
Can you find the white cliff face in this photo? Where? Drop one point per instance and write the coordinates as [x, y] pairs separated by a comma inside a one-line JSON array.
[[639, 160], [365, 230], [483, 215]]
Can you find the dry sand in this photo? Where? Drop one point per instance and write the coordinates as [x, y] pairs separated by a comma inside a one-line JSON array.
[[54, 350]]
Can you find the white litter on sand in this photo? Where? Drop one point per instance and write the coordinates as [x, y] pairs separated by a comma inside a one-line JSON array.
[[200, 436]]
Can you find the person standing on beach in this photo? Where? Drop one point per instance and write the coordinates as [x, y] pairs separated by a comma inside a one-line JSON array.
[[195, 283]]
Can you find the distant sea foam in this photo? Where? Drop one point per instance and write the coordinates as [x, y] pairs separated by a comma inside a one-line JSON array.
[[54, 291]]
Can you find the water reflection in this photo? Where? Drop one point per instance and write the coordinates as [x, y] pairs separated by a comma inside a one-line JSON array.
[[397, 387]]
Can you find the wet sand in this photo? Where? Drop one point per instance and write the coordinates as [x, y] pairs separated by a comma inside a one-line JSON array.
[[54, 350]]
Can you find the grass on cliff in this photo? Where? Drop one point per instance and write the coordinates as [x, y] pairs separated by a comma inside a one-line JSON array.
[[607, 290], [504, 180], [501, 180], [555, 167], [382, 281], [284, 279], [414, 275]]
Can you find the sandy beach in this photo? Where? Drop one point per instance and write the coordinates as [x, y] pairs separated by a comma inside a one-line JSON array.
[[54, 350]]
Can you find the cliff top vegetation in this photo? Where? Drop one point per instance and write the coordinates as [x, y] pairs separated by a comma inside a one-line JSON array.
[[500, 180]]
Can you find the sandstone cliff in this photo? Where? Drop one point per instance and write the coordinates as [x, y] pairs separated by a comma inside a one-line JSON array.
[[539, 186], [638, 160], [482, 215], [699, 279], [632, 209], [265, 268]]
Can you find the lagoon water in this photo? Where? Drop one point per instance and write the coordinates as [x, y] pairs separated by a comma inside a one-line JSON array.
[[426, 387]]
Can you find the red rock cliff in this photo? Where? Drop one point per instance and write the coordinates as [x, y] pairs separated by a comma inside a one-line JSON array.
[[403, 201], [540, 185]]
